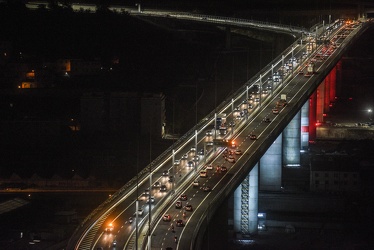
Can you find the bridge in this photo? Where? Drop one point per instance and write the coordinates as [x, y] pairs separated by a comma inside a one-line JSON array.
[[268, 120]]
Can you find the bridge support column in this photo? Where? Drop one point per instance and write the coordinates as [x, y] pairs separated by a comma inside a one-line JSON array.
[[312, 116], [333, 84], [271, 167], [320, 102], [228, 38], [338, 80], [246, 205], [291, 143], [304, 133]]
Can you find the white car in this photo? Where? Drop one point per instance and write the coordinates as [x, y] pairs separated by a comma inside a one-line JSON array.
[[203, 174], [190, 164], [231, 159], [185, 157], [140, 212], [193, 149], [238, 152], [177, 162], [209, 167], [196, 183]]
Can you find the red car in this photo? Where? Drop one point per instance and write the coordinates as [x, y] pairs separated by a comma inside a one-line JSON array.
[[183, 197]]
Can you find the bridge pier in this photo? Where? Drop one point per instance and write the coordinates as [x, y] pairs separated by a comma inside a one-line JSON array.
[[304, 133], [271, 167], [246, 205], [291, 142]]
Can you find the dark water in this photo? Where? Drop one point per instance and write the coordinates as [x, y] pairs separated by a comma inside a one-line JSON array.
[[39, 213]]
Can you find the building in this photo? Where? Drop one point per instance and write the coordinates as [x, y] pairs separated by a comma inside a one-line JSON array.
[[153, 114], [334, 173], [121, 113]]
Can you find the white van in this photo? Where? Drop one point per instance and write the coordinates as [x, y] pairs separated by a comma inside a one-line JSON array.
[[203, 174]]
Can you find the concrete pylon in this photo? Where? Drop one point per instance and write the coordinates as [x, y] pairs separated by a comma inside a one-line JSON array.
[[291, 142], [304, 133], [246, 205], [271, 167]]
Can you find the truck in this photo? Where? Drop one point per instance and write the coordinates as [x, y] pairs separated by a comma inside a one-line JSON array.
[[220, 120], [309, 70], [283, 101]]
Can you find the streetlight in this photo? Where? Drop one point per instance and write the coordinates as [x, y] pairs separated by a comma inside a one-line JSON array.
[[139, 8], [370, 111]]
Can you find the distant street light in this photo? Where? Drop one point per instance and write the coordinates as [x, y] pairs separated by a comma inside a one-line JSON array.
[[370, 111]]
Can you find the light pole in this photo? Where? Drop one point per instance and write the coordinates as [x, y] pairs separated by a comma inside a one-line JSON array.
[[260, 89], [139, 8], [370, 111]]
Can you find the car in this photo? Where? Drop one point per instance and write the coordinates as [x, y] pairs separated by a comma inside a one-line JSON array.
[[188, 207], [185, 157], [209, 143], [179, 223], [166, 217], [190, 164], [267, 119], [152, 199], [171, 179], [231, 159], [196, 183], [209, 167], [157, 184], [207, 189], [146, 191], [209, 132], [238, 152], [114, 243], [275, 111], [140, 212], [165, 173], [232, 124], [163, 188], [196, 158], [193, 149], [223, 169], [178, 205], [252, 137], [183, 197], [257, 99], [109, 228], [250, 106], [203, 174], [201, 152], [177, 162]]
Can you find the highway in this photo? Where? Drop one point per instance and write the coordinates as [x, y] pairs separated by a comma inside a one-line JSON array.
[[110, 226]]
